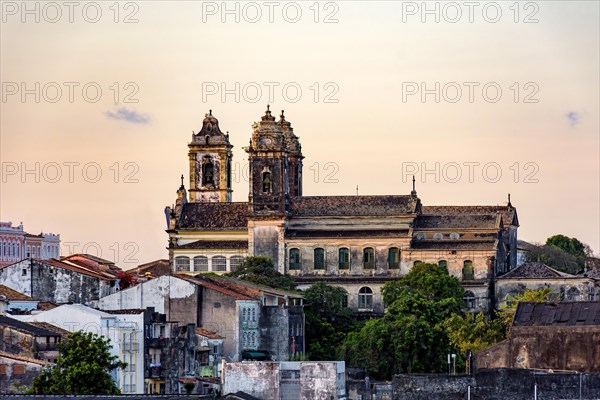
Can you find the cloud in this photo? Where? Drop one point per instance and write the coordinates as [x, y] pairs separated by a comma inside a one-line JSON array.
[[129, 116], [573, 118]]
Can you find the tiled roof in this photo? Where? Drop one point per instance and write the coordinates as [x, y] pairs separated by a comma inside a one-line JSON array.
[[248, 287], [210, 285], [535, 270], [12, 294], [462, 221], [50, 327], [208, 334], [216, 244], [93, 263], [27, 327], [453, 245], [507, 214], [157, 267], [371, 206], [130, 311], [215, 216], [89, 257], [301, 233], [557, 314], [46, 305], [75, 268], [19, 357]]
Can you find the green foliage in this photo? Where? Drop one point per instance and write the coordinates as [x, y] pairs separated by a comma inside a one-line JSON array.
[[83, 366], [567, 244], [261, 271], [554, 257], [411, 337], [474, 331], [327, 321]]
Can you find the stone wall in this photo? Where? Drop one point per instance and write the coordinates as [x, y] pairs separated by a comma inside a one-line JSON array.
[[260, 379], [498, 384]]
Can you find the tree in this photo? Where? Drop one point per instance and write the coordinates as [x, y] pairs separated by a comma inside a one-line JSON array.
[[410, 337], [570, 245], [327, 320], [82, 367], [554, 257], [261, 271]]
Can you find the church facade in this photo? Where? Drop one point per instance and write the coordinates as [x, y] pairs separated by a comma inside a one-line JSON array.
[[357, 242]]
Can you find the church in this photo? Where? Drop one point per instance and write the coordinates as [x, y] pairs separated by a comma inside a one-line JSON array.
[[358, 242]]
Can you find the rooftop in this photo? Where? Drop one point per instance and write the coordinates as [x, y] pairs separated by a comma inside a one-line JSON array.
[[27, 327], [214, 216], [370, 206], [535, 270], [12, 294], [557, 314]]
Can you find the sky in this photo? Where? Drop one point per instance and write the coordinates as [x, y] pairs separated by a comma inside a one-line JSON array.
[[476, 99]]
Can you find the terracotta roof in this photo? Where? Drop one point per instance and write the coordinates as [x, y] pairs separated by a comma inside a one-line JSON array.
[[50, 327], [93, 263], [557, 314], [485, 245], [468, 221], [208, 334], [88, 257], [210, 285], [27, 327], [12, 294], [316, 206], [216, 216], [215, 244], [130, 311], [19, 357], [509, 215], [247, 287], [301, 233], [535, 270], [46, 305], [157, 267], [75, 268]]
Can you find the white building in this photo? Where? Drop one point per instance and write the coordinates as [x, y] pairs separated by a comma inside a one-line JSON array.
[[125, 329]]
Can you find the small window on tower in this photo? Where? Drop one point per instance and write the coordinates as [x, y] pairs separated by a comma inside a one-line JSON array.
[[266, 182], [208, 173]]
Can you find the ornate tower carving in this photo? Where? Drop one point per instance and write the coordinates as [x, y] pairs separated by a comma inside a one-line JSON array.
[[268, 162], [210, 163], [295, 156]]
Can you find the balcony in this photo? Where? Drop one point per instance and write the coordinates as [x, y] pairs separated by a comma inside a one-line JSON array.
[[155, 372], [130, 347]]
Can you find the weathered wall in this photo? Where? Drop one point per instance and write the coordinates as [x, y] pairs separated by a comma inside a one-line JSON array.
[[12, 276], [500, 384], [274, 332], [322, 380], [561, 288], [259, 379], [573, 348], [219, 313], [16, 375]]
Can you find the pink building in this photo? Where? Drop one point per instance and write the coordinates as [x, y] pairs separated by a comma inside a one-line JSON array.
[[16, 244]]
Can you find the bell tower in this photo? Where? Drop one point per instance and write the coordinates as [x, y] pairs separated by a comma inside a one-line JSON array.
[[292, 145], [210, 163]]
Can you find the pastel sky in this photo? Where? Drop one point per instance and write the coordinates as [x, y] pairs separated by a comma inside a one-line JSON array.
[[362, 114]]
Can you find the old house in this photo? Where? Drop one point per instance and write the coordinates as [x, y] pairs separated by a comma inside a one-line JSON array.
[[536, 275], [356, 242], [16, 303], [31, 339], [249, 317], [561, 336], [57, 282], [17, 372]]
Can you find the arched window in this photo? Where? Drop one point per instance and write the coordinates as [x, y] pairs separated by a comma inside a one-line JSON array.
[[574, 294], [468, 273], [182, 264], [319, 258], [266, 180], [368, 258], [365, 298], [208, 172], [343, 258], [417, 263], [469, 300], [393, 258], [201, 264], [219, 264], [235, 262], [295, 259], [443, 264]]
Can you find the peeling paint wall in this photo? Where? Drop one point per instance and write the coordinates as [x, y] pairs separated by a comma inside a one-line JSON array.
[[259, 379]]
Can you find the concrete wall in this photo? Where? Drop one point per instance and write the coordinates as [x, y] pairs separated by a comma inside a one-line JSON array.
[[574, 348], [259, 379], [15, 380], [499, 384]]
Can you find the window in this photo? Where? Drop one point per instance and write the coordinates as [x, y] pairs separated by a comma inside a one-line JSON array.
[[319, 255], [219, 264], [417, 263], [266, 182], [469, 300], [345, 301], [591, 293], [573, 294], [365, 298], [468, 273], [235, 262], [443, 264], [24, 272], [344, 258], [368, 258], [393, 258], [454, 236], [437, 236], [201, 264], [182, 264], [208, 172], [295, 259]]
